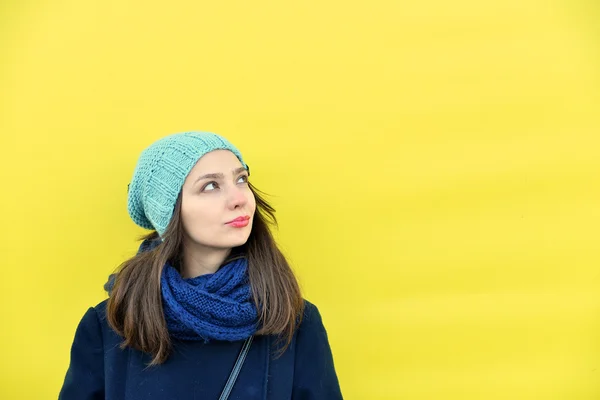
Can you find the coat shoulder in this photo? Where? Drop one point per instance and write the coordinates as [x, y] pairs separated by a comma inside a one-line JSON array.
[[311, 315], [101, 306], [100, 309], [314, 370]]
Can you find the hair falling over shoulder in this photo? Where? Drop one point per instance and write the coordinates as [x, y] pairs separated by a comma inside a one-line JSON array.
[[135, 310]]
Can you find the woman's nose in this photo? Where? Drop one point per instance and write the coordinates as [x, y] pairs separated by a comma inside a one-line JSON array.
[[237, 197]]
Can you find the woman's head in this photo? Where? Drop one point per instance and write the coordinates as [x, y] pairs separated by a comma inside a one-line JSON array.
[[188, 187]]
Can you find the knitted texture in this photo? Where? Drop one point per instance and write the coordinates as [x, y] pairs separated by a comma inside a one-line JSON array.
[[161, 171], [215, 306]]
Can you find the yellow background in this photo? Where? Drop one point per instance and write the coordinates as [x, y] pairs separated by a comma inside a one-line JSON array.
[[435, 167]]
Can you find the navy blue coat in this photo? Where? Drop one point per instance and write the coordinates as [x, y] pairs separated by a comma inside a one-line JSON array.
[[99, 369]]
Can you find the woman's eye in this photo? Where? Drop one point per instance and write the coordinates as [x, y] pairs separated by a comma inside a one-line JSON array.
[[208, 186]]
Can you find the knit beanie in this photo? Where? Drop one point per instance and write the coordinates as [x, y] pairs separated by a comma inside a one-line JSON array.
[[161, 171]]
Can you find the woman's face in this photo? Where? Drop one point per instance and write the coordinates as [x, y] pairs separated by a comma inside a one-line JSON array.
[[215, 193]]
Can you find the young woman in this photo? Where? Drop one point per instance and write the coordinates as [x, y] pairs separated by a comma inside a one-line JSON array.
[[209, 307]]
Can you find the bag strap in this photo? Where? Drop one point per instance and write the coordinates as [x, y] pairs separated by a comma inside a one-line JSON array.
[[236, 369]]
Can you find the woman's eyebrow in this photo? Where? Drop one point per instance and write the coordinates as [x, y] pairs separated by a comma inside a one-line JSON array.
[[219, 175]]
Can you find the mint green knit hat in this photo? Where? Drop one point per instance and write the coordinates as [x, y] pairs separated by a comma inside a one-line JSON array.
[[161, 171]]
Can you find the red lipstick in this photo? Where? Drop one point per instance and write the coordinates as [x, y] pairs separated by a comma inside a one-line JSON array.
[[239, 222]]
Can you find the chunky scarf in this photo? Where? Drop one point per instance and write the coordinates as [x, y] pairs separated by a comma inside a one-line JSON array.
[[215, 306]]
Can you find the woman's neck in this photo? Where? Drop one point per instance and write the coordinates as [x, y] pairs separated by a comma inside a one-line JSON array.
[[198, 260]]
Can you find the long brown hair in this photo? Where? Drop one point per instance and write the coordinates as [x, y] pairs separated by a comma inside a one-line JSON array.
[[134, 308]]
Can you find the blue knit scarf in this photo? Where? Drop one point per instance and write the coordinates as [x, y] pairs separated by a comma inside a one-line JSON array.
[[215, 306]]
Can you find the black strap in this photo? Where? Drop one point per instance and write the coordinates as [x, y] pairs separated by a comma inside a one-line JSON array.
[[236, 369]]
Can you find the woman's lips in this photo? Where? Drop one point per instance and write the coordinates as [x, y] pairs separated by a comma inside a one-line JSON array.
[[240, 222]]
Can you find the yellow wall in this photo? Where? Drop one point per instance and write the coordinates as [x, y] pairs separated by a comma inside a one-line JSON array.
[[435, 166]]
